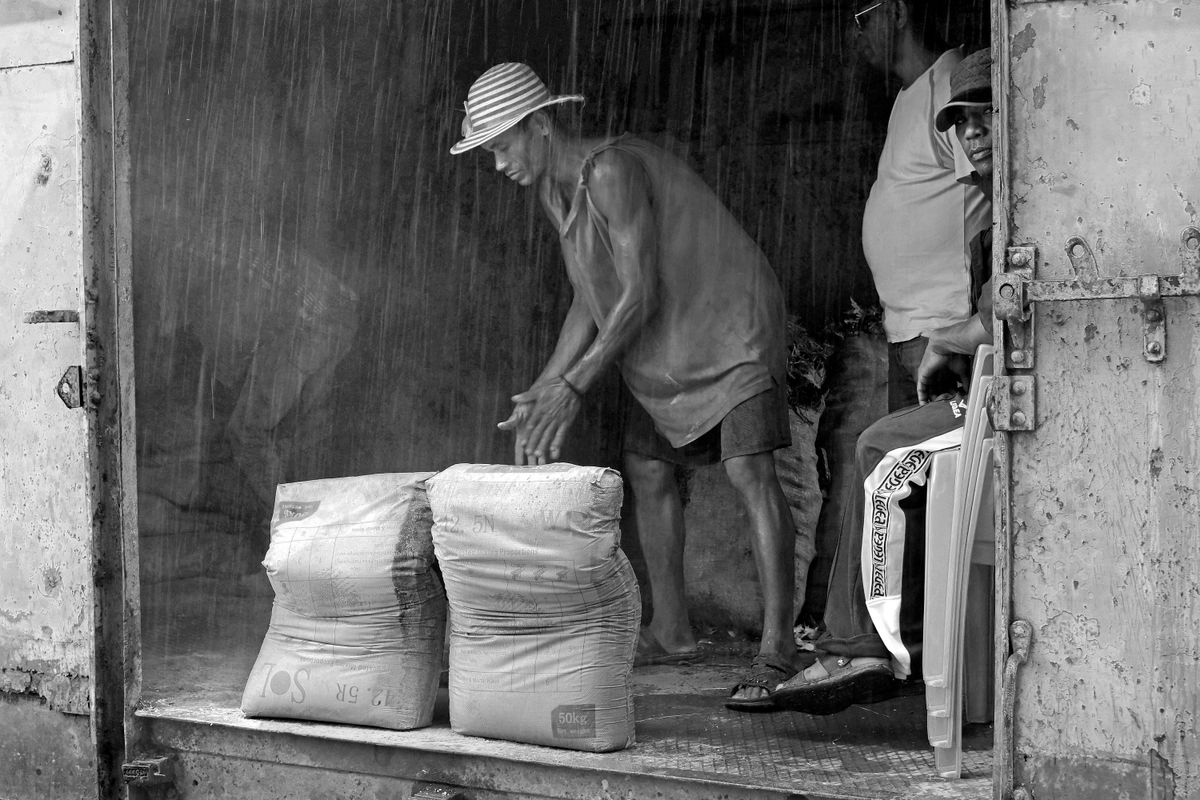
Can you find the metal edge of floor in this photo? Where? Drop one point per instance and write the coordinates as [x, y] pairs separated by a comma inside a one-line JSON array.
[[302, 752]]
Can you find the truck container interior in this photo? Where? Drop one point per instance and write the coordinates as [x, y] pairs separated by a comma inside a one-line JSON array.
[[316, 134]]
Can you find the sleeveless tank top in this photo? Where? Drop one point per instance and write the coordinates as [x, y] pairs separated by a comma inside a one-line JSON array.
[[717, 337]]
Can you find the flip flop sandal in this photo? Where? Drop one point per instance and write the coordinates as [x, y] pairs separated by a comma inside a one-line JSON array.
[[765, 673], [651, 653], [834, 683]]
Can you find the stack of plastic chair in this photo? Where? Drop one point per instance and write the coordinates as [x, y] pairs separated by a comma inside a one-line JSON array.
[[958, 508]]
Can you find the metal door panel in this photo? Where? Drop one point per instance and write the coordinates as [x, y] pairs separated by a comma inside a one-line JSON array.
[[37, 32], [1103, 111], [1101, 140], [45, 558]]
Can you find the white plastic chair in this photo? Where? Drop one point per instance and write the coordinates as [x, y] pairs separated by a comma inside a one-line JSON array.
[[958, 536]]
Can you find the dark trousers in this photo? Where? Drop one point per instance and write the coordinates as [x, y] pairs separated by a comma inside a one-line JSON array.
[[891, 463]]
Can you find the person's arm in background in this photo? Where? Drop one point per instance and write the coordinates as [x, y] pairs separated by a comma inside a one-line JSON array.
[[950, 348]]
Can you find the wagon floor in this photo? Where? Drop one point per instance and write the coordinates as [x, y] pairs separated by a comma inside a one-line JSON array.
[[198, 651]]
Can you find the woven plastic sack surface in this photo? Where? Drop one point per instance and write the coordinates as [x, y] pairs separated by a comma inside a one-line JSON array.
[[544, 606], [357, 628]]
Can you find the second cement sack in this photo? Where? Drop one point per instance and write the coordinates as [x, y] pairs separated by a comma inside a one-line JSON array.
[[544, 606]]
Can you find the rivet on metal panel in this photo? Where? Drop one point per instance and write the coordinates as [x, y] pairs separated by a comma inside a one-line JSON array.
[[1018, 356], [1011, 405]]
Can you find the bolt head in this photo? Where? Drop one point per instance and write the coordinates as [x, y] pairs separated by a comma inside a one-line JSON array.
[[1154, 348], [1018, 418], [1018, 356], [1018, 258], [1018, 389]]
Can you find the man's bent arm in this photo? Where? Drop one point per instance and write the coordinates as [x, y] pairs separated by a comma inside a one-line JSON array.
[[620, 190], [576, 335], [961, 337], [946, 347]]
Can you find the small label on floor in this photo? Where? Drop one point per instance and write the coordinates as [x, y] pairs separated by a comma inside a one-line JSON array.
[[574, 722]]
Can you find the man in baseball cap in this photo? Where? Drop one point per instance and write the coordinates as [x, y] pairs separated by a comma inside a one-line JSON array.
[[670, 289]]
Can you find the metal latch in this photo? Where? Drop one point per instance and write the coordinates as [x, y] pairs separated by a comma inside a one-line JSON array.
[[436, 791], [148, 771], [1011, 305], [1015, 289], [1012, 403], [70, 387]]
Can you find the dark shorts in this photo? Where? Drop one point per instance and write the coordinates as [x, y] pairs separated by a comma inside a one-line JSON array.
[[757, 425]]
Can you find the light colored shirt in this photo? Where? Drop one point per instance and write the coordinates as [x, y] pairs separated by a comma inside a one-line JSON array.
[[919, 218], [717, 335]]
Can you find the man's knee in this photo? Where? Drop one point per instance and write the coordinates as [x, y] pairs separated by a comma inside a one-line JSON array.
[[649, 477], [753, 475]]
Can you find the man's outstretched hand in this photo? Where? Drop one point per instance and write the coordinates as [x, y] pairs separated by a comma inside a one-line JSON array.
[[541, 417]]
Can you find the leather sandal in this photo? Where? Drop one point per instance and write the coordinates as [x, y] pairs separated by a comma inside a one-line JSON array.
[[834, 683]]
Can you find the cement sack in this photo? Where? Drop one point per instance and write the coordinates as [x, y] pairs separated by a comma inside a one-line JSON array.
[[544, 606], [357, 630]]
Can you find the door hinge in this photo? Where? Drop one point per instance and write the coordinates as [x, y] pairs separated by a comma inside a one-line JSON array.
[[1020, 638], [1015, 289], [70, 387], [1012, 403], [148, 771]]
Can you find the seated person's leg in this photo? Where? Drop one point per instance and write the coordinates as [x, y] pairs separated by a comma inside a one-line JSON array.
[[876, 567]]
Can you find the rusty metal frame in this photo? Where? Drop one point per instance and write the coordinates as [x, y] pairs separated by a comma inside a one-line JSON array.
[[1004, 746], [108, 385]]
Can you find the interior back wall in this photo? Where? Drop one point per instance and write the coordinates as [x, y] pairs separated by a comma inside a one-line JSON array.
[[310, 139]]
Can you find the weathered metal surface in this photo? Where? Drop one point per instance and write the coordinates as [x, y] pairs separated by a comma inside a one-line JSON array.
[[1102, 132], [45, 556], [37, 32], [45, 552], [1101, 125], [44, 754], [109, 383]]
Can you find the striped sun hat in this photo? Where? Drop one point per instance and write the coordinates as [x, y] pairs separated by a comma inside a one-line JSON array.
[[502, 97]]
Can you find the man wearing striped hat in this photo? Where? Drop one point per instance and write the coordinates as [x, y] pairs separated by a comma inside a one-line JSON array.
[[671, 290]]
